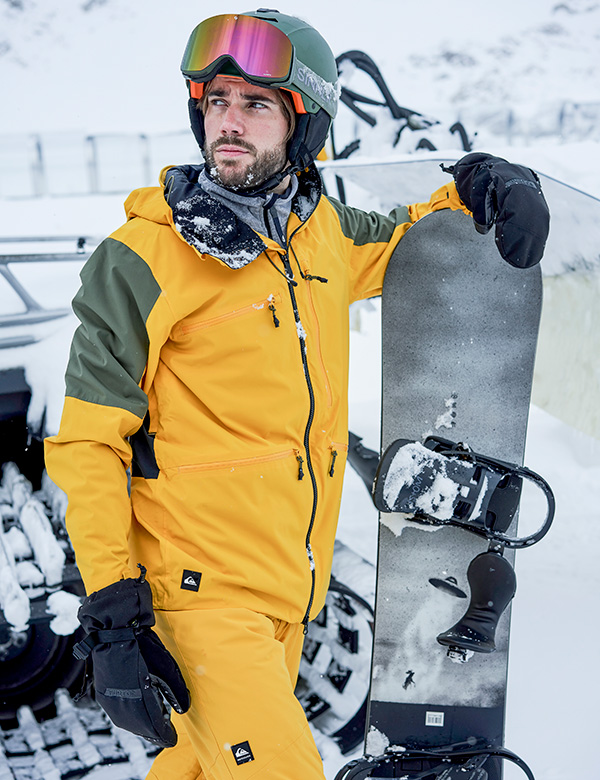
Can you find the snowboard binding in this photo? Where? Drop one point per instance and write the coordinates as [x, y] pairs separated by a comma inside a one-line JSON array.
[[463, 761], [441, 482]]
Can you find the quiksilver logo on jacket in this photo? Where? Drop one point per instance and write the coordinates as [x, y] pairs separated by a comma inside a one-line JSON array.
[[190, 580]]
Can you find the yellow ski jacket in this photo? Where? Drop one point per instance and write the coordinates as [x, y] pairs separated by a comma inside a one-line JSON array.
[[221, 359]]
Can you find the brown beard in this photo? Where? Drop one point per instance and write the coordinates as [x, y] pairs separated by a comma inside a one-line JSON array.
[[229, 174]]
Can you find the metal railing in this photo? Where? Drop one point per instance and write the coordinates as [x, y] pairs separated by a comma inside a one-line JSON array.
[[22, 310], [38, 164], [54, 164]]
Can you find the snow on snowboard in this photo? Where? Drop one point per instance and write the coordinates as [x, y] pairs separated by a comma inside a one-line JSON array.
[[459, 339]]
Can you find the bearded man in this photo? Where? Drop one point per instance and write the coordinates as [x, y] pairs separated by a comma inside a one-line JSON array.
[[211, 367]]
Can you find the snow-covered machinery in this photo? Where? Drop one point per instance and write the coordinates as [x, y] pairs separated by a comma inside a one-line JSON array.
[[333, 683], [372, 123], [407, 130], [39, 582]]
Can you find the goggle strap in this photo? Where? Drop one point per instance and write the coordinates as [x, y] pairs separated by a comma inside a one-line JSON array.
[[297, 101], [196, 89]]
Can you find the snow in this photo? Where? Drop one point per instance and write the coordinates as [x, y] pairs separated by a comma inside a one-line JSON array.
[[13, 599], [376, 743], [437, 497], [65, 708], [301, 332], [445, 420], [64, 606], [28, 574], [526, 77], [134, 749], [476, 512], [18, 543], [47, 550]]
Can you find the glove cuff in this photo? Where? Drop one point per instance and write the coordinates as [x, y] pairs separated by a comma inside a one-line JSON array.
[[127, 603]]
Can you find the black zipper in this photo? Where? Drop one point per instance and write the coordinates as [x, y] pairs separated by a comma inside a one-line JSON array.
[[311, 414], [291, 283]]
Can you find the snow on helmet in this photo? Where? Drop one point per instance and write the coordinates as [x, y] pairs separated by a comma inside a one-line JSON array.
[[272, 50]]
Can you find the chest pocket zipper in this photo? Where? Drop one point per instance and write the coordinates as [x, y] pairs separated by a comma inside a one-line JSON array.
[[266, 303], [230, 465], [273, 310]]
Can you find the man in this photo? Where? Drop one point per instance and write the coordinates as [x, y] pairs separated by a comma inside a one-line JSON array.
[[212, 359]]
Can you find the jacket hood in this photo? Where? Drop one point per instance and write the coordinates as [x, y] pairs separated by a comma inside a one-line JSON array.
[[211, 228], [148, 203]]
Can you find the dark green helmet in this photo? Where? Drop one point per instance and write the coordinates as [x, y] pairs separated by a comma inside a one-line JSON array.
[[314, 73], [271, 50]]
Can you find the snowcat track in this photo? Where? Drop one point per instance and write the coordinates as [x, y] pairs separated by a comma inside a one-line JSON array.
[[79, 740]]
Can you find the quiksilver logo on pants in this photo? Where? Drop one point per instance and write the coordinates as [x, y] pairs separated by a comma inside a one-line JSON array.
[[242, 753]]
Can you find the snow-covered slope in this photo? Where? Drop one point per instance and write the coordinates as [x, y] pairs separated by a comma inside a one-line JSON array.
[[110, 65]]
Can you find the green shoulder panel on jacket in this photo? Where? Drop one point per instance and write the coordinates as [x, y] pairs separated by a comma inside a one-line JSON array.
[[368, 228], [110, 347]]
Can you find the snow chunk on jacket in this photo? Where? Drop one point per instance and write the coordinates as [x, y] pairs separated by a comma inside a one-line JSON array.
[[222, 358]]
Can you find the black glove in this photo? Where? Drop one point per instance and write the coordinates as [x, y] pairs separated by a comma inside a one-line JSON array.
[[132, 669], [496, 191]]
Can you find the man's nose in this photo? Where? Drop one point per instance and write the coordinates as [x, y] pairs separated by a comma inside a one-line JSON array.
[[232, 121]]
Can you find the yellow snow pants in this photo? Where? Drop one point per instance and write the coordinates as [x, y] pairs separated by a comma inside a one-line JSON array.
[[244, 721]]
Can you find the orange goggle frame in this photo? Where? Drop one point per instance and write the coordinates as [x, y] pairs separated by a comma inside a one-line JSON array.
[[197, 91]]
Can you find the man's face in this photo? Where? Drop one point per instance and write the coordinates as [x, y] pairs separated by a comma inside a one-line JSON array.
[[246, 129]]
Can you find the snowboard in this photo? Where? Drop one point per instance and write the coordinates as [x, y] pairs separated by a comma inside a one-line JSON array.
[[459, 332], [574, 228], [566, 382]]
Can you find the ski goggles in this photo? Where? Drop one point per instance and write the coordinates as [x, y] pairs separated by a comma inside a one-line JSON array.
[[261, 51]]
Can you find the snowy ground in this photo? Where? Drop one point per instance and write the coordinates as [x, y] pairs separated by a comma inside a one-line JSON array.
[[533, 58]]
